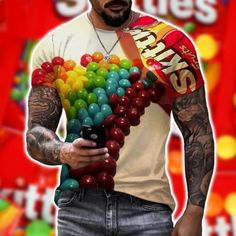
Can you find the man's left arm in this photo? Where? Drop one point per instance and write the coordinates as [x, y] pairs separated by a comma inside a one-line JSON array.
[[191, 115]]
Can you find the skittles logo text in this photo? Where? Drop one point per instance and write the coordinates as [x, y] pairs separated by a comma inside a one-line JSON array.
[[169, 59]]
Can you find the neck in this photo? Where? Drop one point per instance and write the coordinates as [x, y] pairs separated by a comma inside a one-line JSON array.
[[100, 24]]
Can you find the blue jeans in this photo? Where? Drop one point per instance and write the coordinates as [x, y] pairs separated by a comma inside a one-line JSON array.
[[91, 212]]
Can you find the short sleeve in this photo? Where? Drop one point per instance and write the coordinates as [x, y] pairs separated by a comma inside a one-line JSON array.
[[41, 69]]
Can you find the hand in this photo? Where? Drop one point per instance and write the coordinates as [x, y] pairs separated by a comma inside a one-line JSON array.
[[190, 223], [76, 155]]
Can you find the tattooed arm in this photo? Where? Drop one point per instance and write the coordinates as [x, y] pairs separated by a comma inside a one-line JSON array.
[[191, 115], [44, 107], [43, 144]]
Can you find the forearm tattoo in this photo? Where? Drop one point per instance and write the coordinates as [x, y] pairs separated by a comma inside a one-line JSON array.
[[191, 115], [44, 108]]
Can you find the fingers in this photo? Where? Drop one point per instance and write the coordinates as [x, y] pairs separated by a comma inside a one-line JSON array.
[[80, 142], [94, 158]]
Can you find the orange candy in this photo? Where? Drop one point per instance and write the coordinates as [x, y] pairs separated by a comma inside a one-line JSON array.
[[60, 72], [69, 65], [215, 204], [113, 59], [103, 64], [97, 56]]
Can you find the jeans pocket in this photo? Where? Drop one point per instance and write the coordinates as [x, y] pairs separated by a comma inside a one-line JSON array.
[[66, 198], [152, 206]]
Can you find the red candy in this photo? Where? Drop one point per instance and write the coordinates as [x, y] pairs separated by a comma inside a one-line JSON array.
[[57, 61], [124, 100], [105, 180], [88, 181], [139, 103], [130, 92], [76, 173], [47, 66], [133, 115], [117, 134], [113, 100], [93, 168], [123, 123], [86, 59], [134, 77], [145, 96], [109, 165], [109, 121], [113, 148], [120, 110], [138, 86]]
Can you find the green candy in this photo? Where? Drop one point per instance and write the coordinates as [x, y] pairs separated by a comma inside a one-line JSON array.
[[69, 184], [72, 113], [92, 98], [114, 67], [189, 27], [82, 94], [38, 228], [92, 66], [80, 103], [100, 82], [90, 84], [90, 75], [126, 64], [64, 173], [72, 96], [3, 205], [150, 75], [102, 72], [24, 78]]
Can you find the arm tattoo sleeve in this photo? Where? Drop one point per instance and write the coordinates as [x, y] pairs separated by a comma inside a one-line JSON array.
[[191, 115], [44, 108]]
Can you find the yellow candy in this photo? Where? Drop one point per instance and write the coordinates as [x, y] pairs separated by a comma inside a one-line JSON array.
[[72, 74], [66, 104], [71, 81], [77, 85], [230, 204], [65, 90], [84, 79], [17, 79], [226, 147], [58, 83], [80, 70], [207, 46]]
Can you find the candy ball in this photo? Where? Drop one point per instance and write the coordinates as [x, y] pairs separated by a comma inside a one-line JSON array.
[[64, 173], [112, 81], [93, 109], [126, 64], [88, 181], [80, 70], [124, 83], [114, 59], [69, 65], [114, 67], [100, 82], [79, 103], [90, 75], [72, 113], [74, 126], [90, 84], [57, 61], [88, 121], [110, 89], [82, 114], [106, 110], [47, 66], [102, 99], [109, 165], [117, 134], [98, 119], [121, 110], [113, 75], [71, 137], [109, 121], [3, 205], [113, 148], [102, 72], [37, 228], [82, 94], [72, 96], [77, 85], [86, 59], [123, 73], [113, 100], [120, 91], [134, 69], [99, 91], [69, 184], [92, 98], [92, 66], [97, 56], [105, 180]]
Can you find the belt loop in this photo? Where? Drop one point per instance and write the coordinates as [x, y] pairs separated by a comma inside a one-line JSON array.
[[81, 193]]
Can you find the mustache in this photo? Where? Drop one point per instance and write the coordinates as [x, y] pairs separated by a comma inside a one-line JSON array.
[[116, 2]]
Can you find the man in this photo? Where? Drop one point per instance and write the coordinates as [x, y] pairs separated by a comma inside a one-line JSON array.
[[140, 201]]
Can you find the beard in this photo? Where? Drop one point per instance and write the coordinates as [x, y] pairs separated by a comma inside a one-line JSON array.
[[116, 21]]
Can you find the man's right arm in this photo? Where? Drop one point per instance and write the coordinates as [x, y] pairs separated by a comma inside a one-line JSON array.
[[44, 112], [43, 145]]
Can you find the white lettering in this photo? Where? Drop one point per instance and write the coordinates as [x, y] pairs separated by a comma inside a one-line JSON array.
[[182, 9], [207, 13]]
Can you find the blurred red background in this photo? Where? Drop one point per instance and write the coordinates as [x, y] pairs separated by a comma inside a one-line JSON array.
[[26, 188]]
